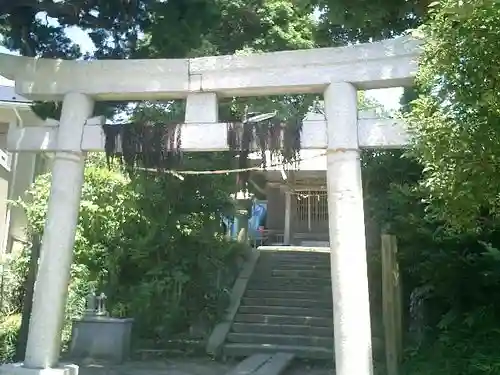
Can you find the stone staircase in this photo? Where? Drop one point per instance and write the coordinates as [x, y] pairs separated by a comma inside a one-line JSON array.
[[286, 307]]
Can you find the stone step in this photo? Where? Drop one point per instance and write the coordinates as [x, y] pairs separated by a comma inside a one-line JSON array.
[[323, 258], [276, 365], [263, 364], [311, 273], [250, 364], [290, 294], [290, 340], [295, 266], [295, 253], [281, 329], [277, 259], [287, 302], [275, 281], [284, 311], [325, 289], [314, 328], [239, 350], [262, 318]]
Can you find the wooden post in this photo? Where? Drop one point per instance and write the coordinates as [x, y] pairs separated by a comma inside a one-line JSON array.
[[288, 218], [391, 304]]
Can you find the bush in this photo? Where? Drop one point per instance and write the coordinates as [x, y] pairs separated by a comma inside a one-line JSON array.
[[450, 279], [458, 351], [150, 243], [9, 330], [449, 223], [11, 286]]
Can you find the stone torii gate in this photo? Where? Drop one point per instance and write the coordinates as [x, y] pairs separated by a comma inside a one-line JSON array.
[[337, 73]]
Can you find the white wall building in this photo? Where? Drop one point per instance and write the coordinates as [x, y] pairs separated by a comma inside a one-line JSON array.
[[17, 171]]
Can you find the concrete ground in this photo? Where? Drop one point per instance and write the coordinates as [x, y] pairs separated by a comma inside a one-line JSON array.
[[300, 368], [181, 366], [187, 366]]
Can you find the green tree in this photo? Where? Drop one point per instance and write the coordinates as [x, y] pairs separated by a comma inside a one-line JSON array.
[[455, 119], [227, 26], [150, 242], [168, 30], [346, 21]]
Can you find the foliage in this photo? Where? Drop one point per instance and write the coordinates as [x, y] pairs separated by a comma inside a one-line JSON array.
[[150, 243], [151, 29], [448, 222], [345, 21], [178, 28], [10, 279], [456, 117], [461, 351], [450, 279], [27, 28], [9, 328], [455, 278], [224, 27]]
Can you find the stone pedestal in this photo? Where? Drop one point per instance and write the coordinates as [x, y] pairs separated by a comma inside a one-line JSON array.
[[101, 338]]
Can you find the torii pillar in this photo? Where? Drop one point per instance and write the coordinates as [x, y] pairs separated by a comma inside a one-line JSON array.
[[335, 71], [52, 281], [51, 287], [351, 302]]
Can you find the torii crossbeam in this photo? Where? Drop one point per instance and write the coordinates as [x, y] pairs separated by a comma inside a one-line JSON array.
[[337, 73]]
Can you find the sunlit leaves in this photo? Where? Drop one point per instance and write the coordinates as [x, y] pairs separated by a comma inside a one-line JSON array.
[[151, 243], [456, 120]]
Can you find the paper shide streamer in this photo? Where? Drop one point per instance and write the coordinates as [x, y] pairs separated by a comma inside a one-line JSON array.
[[158, 146]]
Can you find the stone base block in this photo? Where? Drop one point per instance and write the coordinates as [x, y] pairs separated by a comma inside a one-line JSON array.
[[101, 339], [18, 369]]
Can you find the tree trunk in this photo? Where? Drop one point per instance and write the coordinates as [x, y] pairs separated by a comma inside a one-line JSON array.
[[28, 299]]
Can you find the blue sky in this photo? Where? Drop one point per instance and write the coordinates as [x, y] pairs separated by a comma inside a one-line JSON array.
[[388, 97]]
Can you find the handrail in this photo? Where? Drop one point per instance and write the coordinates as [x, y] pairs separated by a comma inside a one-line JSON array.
[[274, 235]]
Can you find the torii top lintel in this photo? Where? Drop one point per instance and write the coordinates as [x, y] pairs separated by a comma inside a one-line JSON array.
[[388, 63]]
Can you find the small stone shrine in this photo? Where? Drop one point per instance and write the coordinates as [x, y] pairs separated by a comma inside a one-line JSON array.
[[97, 336]]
